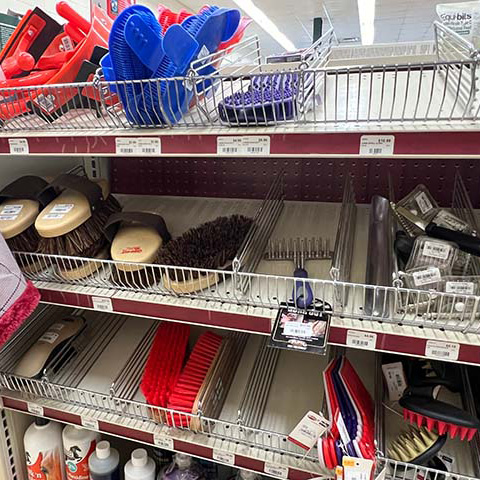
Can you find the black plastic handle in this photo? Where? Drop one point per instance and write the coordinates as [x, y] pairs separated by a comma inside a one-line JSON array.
[[467, 243]]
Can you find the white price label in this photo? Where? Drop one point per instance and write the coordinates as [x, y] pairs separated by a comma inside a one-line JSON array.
[[426, 277], [57, 326], [11, 209], [49, 337], [361, 339], [377, 144], [448, 220], [224, 457], [442, 350], [18, 146], [35, 409], [356, 468], [149, 146], [395, 378], [126, 146], [67, 43], [249, 145], [342, 430], [275, 470], [91, 423], [436, 250], [448, 460], [298, 329], [163, 441], [47, 102], [423, 202], [103, 304], [8, 217], [460, 288], [310, 428]]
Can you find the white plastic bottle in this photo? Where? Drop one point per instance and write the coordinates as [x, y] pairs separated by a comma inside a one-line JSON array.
[[140, 466], [44, 450], [103, 463], [78, 444]]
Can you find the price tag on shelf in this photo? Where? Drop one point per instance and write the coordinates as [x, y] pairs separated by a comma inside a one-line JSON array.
[[149, 146], [229, 145], [103, 304], [358, 339], [162, 441], [257, 145], [377, 144], [275, 470], [246, 145], [91, 423], [223, 457], [18, 146], [35, 409], [310, 428], [126, 146], [442, 350]]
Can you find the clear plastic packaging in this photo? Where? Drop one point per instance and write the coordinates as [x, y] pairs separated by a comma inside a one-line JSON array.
[[431, 252], [420, 202], [425, 278], [443, 218], [461, 285]]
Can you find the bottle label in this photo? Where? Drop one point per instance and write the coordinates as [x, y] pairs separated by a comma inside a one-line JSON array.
[[45, 465], [76, 460]]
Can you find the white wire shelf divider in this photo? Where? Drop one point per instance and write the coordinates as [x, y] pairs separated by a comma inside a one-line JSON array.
[[243, 91]]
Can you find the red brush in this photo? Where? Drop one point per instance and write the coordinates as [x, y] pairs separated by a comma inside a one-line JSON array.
[[185, 393], [164, 362]]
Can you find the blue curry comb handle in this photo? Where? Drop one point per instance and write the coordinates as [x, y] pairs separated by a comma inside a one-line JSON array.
[[302, 291]]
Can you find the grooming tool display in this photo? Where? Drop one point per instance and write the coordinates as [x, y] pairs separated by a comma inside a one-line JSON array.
[[212, 245], [135, 237]]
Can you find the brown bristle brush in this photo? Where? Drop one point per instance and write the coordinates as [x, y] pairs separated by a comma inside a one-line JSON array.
[[212, 245], [20, 203], [73, 223], [136, 237]]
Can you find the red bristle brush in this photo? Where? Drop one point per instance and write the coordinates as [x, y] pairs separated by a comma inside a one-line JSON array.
[[185, 393]]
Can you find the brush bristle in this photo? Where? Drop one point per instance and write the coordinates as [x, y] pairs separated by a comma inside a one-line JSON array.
[[211, 245], [27, 241], [87, 240]]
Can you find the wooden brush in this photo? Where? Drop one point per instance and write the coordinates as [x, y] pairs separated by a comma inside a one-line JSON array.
[[136, 237], [212, 245], [73, 224]]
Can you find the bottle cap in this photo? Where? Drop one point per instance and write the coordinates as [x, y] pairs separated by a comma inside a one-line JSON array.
[[41, 422], [183, 461], [103, 449], [139, 457]]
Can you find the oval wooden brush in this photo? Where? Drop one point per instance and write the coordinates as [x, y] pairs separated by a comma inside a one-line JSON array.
[[20, 203], [73, 223], [212, 245], [136, 237]]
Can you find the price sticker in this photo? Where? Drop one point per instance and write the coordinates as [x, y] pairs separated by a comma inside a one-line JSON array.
[[149, 146], [162, 441], [427, 276], [247, 145], [126, 146], [229, 145], [377, 144], [223, 457], [91, 423], [460, 288], [310, 428], [395, 378], [103, 304], [361, 339], [35, 409], [298, 329], [423, 202], [18, 146], [442, 350], [436, 250], [275, 470], [356, 468]]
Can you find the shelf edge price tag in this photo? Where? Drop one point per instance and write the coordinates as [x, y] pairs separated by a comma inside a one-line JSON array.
[[149, 146], [256, 145], [377, 144], [103, 304], [442, 350], [163, 441], [275, 470], [229, 145], [126, 146], [35, 409], [18, 146], [358, 339], [91, 423], [223, 457]]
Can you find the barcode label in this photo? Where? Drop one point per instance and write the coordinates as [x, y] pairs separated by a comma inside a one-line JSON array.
[[361, 339], [275, 470], [310, 428], [442, 350], [460, 288], [436, 250], [423, 202], [138, 146], [47, 102], [35, 409], [11, 209], [448, 220], [91, 423], [247, 145], [62, 208], [67, 43], [426, 277], [163, 441], [298, 329], [53, 216], [223, 457], [356, 468], [395, 378], [103, 304], [18, 146], [49, 337], [149, 146], [7, 218], [377, 144], [126, 146]]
